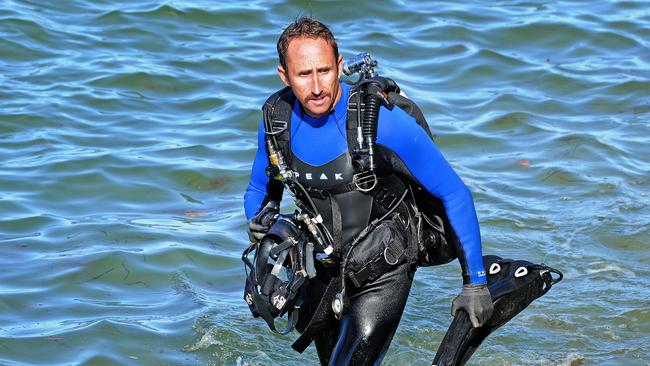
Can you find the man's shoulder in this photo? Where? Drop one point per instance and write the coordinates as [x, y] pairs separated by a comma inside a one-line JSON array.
[[397, 126], [282, 95], [396, 116]]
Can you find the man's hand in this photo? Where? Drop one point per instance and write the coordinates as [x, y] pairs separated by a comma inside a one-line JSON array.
[[476, 301], [260, 224]]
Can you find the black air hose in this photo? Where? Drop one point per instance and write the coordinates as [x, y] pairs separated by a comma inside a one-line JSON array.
[[371, 115], [373, 101]]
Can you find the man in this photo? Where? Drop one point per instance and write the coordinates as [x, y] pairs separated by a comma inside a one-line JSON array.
[[311, 66]]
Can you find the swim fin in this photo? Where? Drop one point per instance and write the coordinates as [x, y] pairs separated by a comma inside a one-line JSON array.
[[513, 284]]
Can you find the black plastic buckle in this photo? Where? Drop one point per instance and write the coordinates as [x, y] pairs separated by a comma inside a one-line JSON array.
[[277, 127]]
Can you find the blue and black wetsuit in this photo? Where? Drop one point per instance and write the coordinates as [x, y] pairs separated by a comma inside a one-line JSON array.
[[321, 157]]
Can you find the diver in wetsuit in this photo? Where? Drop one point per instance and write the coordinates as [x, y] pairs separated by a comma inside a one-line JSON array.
[[380, 265]]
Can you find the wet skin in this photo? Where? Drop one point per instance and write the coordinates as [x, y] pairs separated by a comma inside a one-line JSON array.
[[313, 73]]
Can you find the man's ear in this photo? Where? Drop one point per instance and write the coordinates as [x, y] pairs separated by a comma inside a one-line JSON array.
[[283, 75], [339, 65]]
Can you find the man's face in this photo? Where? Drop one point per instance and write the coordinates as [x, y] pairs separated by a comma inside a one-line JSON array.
[[313, 74]]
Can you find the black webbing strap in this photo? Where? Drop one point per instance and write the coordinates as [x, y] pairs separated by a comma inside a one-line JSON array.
[[352, 120], [337, 222], [280, 247], [295, 286], [320, 318]]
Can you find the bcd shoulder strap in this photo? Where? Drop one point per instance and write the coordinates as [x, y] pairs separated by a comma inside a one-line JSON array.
[[277, 120], [411, 109]]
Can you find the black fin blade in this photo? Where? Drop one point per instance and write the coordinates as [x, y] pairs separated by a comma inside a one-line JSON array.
[[511, 295]]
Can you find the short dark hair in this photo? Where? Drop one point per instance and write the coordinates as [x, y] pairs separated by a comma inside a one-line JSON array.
[[305, 27]]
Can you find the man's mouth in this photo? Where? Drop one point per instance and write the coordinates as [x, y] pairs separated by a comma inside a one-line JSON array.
[[319, 100]]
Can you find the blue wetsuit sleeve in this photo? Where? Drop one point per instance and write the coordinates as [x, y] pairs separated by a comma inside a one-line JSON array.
[[256, 192], [399, 133]]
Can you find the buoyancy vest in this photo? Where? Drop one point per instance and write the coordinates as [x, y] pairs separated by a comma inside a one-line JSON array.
[[344, 207]]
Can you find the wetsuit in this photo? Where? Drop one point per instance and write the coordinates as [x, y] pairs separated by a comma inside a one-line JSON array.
[[320, 148]]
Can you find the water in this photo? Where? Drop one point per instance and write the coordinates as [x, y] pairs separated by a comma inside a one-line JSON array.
[[127, 132]]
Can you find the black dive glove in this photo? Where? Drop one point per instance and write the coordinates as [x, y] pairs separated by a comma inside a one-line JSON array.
[[476, 301], [260, 224]]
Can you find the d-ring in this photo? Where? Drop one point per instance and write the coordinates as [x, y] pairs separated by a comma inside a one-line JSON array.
[[386, 257], [360, 180]]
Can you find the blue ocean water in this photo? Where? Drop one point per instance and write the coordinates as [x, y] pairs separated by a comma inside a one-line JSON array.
[[128, 129]]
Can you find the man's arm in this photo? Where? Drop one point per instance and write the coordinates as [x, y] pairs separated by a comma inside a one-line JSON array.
[[416, 156], [260, 189]]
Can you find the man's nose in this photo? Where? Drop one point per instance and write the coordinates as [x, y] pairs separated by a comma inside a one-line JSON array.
[[316, 88]]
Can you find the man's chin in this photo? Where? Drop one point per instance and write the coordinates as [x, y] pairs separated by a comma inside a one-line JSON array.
[[317, 111]]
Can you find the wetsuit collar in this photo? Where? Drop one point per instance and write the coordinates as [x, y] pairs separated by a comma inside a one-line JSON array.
[[339, 111]]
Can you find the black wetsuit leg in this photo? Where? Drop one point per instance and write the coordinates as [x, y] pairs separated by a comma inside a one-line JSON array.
[[326, 338], [374, 312]]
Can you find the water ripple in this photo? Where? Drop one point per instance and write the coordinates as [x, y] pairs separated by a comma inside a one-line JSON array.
[[127, 132]]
